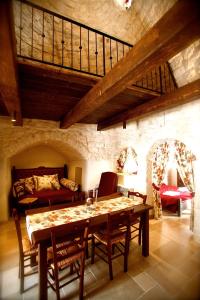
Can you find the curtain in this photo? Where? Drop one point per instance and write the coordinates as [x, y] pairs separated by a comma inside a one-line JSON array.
[[159, 163], [184, 160]]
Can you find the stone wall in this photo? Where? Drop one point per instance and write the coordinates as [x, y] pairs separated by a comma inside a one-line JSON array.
[[95, 151]]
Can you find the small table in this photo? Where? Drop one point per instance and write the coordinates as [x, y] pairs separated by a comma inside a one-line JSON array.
[[28, 201]]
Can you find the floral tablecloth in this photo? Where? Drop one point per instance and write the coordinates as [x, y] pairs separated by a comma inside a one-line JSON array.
[[52, 218]]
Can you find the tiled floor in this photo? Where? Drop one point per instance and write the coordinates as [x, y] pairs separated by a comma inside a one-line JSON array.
[[172, 271]]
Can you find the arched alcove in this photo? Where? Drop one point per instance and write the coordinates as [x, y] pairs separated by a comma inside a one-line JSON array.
[[34, 153]]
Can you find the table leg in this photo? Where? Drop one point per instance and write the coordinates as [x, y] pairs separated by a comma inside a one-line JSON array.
[[42, 271], [145, 233]]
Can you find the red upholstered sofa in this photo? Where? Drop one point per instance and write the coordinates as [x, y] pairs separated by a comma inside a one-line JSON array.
[[44, 197]]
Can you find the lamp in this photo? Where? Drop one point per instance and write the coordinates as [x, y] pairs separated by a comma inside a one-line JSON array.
[[130, 165], [124, 4], [13, 116], [127, 162]]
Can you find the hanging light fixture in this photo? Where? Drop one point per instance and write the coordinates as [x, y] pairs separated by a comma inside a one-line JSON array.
[[124, 4]]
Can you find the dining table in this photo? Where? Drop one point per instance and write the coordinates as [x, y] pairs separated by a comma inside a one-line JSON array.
[[39, 222]]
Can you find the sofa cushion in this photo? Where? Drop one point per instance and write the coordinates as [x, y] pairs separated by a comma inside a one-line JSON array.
[[54, 181], [55, 195], [43, 183], [19, 189], [70, 184], [29, 184]]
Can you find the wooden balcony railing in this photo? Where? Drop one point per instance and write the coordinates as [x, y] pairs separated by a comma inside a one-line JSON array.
[[50, 38]]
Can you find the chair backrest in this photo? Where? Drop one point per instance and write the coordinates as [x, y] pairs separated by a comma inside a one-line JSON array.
[[68, 235], [107, 184], [138, 195], [16, 218], [119, 219]]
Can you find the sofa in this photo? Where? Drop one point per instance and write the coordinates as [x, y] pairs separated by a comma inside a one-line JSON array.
[[42, 186]]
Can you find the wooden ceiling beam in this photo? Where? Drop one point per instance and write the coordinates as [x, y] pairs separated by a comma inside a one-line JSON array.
[[176, 30], [8, 80], [180, 96]]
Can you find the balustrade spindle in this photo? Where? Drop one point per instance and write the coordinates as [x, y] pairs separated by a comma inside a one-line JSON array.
[[117, 49], [104, 57], [88, 51], [53, 42], [71, 45], [80, 47], [43, 36], [96, 53], [110, 55], [32, 32], [20, 30], [62, 42]]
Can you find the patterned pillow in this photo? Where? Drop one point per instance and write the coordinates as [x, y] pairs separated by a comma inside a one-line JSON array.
[[29, 184], [54, 181], [43, 183], [18, 189], [73, 186]]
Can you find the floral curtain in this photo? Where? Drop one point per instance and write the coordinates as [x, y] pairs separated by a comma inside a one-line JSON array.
[[184, 160], [159, 163]]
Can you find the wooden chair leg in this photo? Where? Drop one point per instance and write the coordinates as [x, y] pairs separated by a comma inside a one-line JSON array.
[[93, 250], [109, 249], [71, 269], [19, 273], [57, 285], [87, 251], [21, 276], [126, 260], [81, 279], [140, 234]]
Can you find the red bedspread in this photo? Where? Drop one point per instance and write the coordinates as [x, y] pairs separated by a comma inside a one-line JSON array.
[[170, 196], [170, 192]]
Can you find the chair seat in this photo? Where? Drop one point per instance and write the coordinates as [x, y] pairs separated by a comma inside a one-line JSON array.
[[66, 256], [28, 249], [117, 236]]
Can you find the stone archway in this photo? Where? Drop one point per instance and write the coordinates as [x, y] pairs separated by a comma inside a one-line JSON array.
[[170, 142], [20, 143]]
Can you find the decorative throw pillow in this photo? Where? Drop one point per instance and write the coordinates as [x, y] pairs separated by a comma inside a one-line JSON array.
[[43, 183], [35, 181], [54, 181], [73, 186], [29, 184], [18, 189]]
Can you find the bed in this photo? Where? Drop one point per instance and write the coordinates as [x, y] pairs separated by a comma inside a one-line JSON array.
[[173, 196], [42, 197]]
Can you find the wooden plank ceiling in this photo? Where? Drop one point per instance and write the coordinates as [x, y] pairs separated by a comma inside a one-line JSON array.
[[51, 94]]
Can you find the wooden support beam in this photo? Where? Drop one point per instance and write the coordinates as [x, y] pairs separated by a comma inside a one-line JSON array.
[[176, 30], [8, 78], [180, 96]]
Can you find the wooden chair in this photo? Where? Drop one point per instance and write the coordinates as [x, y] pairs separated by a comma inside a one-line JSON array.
[[26, 252], [116, 236], [68, 251], [136, 224]]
